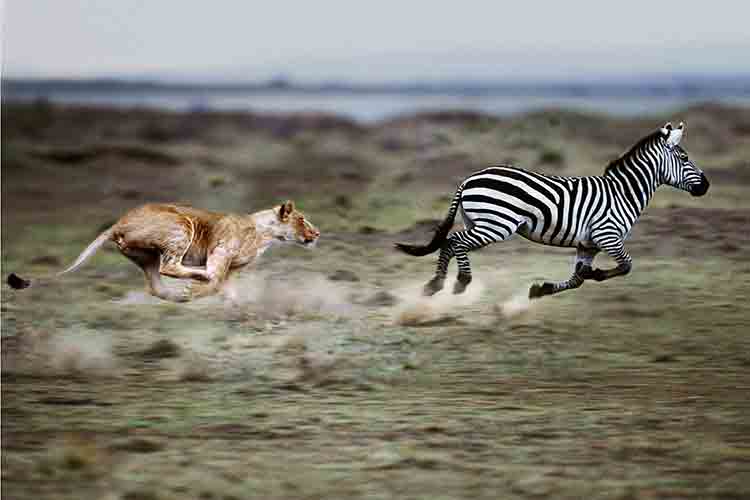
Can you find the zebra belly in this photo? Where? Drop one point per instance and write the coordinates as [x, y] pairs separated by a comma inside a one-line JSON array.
[[546, 239]]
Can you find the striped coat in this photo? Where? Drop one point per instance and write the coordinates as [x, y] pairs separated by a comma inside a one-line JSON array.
[[592, 214]]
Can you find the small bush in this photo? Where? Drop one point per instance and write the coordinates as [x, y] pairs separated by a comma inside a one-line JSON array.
[[552, 157]]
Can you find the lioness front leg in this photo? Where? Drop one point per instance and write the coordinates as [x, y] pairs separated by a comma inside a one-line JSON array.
[[217, 270]]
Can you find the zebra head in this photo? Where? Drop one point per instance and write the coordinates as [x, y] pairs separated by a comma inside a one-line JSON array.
[[678, 171]]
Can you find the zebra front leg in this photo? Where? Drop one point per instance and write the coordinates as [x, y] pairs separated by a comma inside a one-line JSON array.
[[584, 259], [615, 248]]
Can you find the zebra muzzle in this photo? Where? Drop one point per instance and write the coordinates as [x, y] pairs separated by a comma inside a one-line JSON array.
[[702, 188]]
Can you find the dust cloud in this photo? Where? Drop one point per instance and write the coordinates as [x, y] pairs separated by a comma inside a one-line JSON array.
[[284, 308], [278, 295], [517, 305], [63, 353], [269, 296], [418, 310]]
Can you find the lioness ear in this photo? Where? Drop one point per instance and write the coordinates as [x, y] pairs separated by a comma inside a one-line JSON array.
[[286, 209]]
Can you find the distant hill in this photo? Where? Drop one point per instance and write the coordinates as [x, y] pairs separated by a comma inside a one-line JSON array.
[[686, 85]]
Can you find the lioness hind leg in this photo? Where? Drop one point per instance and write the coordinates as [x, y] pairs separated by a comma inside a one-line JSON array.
[[148, 261], [157, 288], [172, 245], [142, 257]]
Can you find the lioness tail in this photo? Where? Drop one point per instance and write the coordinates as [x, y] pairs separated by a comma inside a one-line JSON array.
[[15, 281]]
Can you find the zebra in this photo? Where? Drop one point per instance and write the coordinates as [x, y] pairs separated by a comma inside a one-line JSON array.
[[592, 214]]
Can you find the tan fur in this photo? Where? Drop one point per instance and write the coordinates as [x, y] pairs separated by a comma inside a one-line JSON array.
[[189, 243]]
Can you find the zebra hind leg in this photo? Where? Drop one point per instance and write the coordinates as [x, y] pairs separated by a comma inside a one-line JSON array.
[[438, 281], [433, 286], [464, 242], [458, 245], [464, 271], [480, 235]]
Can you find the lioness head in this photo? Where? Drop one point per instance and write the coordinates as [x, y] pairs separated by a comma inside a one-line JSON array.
[[293, 227]]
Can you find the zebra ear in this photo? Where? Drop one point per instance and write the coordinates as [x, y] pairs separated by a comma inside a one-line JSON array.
[[676, 135], [666, 129]]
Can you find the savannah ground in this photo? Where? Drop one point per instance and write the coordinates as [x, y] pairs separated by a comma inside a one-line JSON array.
[[332, 378]]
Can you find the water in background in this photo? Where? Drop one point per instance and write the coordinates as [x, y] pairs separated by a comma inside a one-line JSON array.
[[372, 107]]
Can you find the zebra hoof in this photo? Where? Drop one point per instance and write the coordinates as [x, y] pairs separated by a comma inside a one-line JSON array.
[[584, 272], [536, 291], [599, 274], [462, 281], [587, 273], [432, 287]]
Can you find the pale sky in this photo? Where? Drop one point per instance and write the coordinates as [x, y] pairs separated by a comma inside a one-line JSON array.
[[374, 40]]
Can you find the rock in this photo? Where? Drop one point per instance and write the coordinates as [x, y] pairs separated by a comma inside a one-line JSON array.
[[381, 299], [369, 230], [138, 445], [46, 260], [343, 275], [664, 358], [161, 349], [343, 201]]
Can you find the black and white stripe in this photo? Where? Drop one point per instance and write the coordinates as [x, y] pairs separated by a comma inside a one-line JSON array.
[[592, 214]]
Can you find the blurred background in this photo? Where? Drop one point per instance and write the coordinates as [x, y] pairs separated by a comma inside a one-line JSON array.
[[328, 375], [371, 62]]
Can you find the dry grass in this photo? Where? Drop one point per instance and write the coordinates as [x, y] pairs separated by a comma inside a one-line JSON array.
[[45, 353], [302, 387]]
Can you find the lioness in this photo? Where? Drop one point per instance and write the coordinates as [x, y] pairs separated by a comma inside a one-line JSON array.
[[188, 243]]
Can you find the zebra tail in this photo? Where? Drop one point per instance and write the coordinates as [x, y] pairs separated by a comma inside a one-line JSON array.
[[18, 283], [441, 231]]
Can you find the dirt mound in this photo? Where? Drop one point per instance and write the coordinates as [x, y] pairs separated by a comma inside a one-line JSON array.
[[302, 173], [73, 156], [692, 232], [454, 117], [736, 173]]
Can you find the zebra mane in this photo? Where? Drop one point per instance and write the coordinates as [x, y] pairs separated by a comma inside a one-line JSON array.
[[619, 162]]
